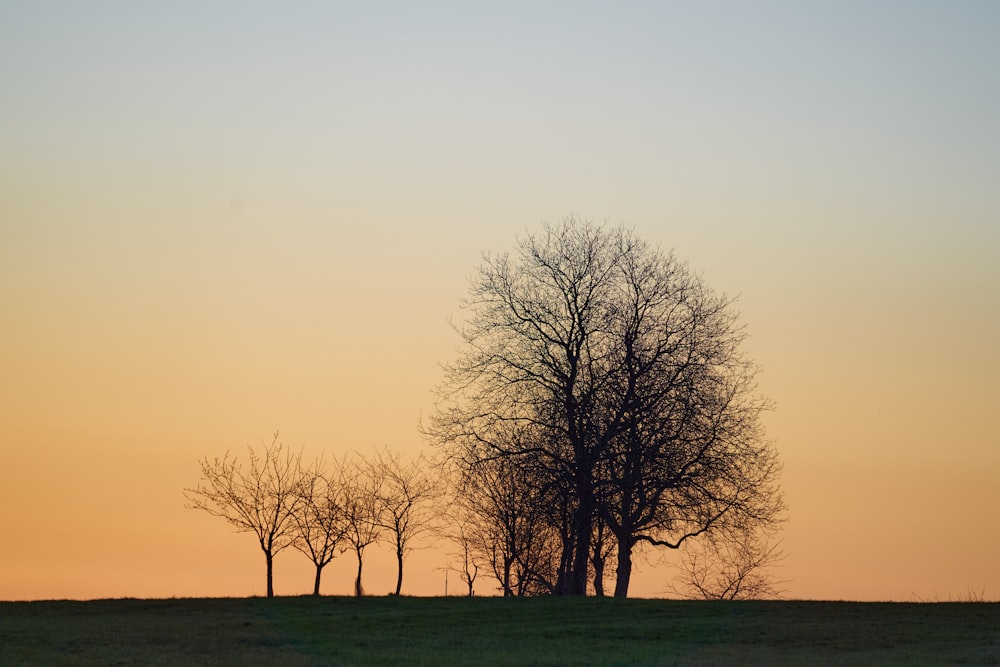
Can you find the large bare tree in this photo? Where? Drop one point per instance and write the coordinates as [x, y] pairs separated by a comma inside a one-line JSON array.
[[261, 499], [622, 376], [690, 454], [533, 363]]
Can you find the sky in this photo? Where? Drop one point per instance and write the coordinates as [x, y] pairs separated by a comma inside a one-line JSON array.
[[220, 220]]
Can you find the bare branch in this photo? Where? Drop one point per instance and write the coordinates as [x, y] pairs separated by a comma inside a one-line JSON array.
[[261, 499]]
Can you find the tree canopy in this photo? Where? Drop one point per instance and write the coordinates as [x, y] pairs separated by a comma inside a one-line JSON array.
[[611, 373]]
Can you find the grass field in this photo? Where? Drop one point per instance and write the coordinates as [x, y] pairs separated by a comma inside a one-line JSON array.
[[484, 631]]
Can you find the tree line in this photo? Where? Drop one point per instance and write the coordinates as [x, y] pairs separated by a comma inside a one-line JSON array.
[[320, 508], [601, 409]]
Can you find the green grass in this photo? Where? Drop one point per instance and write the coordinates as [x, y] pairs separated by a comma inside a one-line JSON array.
[[484, 631]]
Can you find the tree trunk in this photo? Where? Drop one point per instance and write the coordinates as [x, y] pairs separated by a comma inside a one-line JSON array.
[[399, 571], [357, 582], [269, 557], [582, 526], [319, 572], [565, 565], [599, 576], [624, 571]]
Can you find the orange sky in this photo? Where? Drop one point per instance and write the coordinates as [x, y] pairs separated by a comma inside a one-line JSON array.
[[218, 222]]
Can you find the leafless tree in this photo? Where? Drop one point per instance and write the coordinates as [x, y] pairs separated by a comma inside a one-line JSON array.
[[320, 519], [362, 508], [700, 467], [261, 499], [460, 530], [507, 517], [407, 495], [533, 363], [733, 564], [621, 377]]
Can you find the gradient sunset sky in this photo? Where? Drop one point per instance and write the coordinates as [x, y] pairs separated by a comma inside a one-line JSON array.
[[222, 219]]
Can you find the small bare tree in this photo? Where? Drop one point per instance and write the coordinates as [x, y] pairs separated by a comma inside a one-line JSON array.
[[320, 520], [262, 499], [362, 510], [465, 561], [407, 495], [507, 512], [735, 563]]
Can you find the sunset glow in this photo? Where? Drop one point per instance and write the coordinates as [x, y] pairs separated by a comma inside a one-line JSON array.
[[217, 222]]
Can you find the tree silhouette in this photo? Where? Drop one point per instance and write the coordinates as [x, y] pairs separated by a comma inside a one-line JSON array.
[[262, 499], [362, 510], [507, 509], [608, 369], [460, 530], [407, 493], [732, 564], [320, 517]]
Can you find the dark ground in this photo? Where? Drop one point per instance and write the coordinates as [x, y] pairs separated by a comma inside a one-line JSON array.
[[483, 631]]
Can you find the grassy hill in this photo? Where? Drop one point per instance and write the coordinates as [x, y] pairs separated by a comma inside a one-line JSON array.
[[484, 631]]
